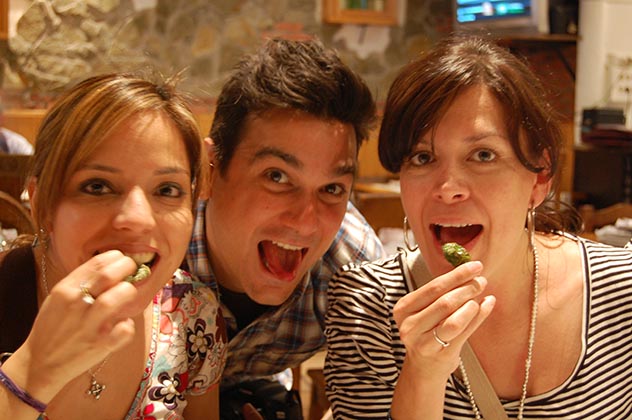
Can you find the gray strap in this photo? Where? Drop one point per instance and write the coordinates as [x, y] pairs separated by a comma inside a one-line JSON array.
[[484, 394]]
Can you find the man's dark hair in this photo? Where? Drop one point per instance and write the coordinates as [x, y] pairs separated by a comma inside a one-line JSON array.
[[294, 75]]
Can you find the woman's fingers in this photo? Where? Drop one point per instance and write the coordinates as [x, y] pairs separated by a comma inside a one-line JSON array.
[[439, 286], [101, 272], [464, 321], [73, 332], [443, 312], [410, 309]]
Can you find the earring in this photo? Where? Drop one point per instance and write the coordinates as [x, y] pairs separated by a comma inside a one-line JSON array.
[[406, 227], [40, 238], [531, 226]]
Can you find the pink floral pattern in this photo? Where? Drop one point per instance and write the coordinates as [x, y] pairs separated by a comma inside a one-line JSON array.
[[188, 350]]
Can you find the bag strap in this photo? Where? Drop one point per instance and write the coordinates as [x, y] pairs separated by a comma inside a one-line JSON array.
[[484, 394]]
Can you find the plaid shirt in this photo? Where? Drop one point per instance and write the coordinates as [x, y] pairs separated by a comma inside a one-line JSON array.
[[295, 331]]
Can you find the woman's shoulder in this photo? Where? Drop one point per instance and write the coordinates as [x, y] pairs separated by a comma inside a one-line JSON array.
[[386, 266], [605, 252], [186, 289], [382, 277]]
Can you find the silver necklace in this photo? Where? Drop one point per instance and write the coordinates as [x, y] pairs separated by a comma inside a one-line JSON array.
[[527, 365], [96, 388]]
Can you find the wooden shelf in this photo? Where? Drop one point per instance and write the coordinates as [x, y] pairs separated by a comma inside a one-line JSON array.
[[539, 38], [367, 12]]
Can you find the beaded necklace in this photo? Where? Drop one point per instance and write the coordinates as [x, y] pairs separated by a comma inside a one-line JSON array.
[[527, 365]]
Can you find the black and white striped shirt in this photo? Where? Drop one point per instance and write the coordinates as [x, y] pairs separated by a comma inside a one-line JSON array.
[[365, 353]]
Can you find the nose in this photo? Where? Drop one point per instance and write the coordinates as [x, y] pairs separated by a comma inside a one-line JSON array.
[[135, 212], [302, 215], [451, 186]]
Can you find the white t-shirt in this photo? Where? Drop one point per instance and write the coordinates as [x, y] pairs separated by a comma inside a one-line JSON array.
[[16, 143]]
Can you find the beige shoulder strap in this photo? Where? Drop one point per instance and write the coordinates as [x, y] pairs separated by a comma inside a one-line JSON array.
[[484, 395]]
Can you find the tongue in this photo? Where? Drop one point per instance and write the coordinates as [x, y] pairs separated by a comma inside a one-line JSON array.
[[460, 235], [283, 263]]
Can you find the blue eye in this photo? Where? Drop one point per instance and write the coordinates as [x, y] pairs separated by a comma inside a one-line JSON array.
[[484, 155], [96, 187]]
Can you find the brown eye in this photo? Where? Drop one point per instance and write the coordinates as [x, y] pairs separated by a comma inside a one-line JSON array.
[[277, 176], [334, 189], [170, 190], [421, 158], [95, 187]]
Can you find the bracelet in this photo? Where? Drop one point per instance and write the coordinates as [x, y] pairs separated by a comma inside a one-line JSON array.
[[24, 396]]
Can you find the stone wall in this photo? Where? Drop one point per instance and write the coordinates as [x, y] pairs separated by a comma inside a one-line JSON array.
[[58, 42]]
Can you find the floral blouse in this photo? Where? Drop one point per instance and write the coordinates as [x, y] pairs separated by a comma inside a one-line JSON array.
[[188, 350]]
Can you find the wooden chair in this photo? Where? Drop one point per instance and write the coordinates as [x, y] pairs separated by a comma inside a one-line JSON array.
[[13, 172], [380, 209], [596, 218], [14, 215]]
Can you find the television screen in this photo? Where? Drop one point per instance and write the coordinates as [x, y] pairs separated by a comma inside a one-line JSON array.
[[501, 15], [491, 10]]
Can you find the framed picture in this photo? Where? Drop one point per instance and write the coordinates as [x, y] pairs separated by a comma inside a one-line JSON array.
[[361, 12]]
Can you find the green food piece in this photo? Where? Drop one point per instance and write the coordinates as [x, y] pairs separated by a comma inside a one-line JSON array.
[[142, 273], [455, 254]]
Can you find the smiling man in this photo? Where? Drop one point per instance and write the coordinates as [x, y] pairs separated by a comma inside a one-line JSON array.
[[278, 223]]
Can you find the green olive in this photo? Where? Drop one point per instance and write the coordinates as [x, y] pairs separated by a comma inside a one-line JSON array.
[[455, 253], [142, 273]]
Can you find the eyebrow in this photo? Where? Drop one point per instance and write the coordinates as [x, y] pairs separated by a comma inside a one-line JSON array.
[[293, 161], [168, 170], [473, 138]]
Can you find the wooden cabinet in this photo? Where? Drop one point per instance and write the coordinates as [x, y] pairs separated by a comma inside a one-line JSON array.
[[362, 12], [603, 175]]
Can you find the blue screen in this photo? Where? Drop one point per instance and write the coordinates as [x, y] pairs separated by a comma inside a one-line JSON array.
[[480, 11]]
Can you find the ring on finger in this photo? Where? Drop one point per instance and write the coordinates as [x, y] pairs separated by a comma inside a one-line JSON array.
[[444, 344], [86, 296]]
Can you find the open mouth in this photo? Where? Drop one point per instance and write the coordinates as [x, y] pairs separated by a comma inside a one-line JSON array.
[[461, 234], [144, 261], [281, 259]]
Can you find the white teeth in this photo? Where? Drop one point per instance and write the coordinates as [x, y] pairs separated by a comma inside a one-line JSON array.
[[142, 258], [456, 226], [287, 246]]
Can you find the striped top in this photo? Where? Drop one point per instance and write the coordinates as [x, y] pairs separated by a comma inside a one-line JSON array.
[[365, 353]]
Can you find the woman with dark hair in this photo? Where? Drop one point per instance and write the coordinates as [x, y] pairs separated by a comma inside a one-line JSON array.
[[546, 313]]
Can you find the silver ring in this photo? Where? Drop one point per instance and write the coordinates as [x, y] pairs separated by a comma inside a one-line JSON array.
[[444, 344], [86, 296]]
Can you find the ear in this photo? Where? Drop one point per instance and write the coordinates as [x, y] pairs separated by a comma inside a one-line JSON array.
[[541, 188], [543, 181], [209, 145]]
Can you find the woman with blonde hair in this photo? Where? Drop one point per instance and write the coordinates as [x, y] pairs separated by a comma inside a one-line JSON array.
[[97, 319]]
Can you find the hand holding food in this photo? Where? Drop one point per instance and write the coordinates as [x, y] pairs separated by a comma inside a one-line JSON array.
[[455, 254]]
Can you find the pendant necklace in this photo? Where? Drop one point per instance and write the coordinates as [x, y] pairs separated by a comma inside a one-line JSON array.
[[527, 367], [96, 388]]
